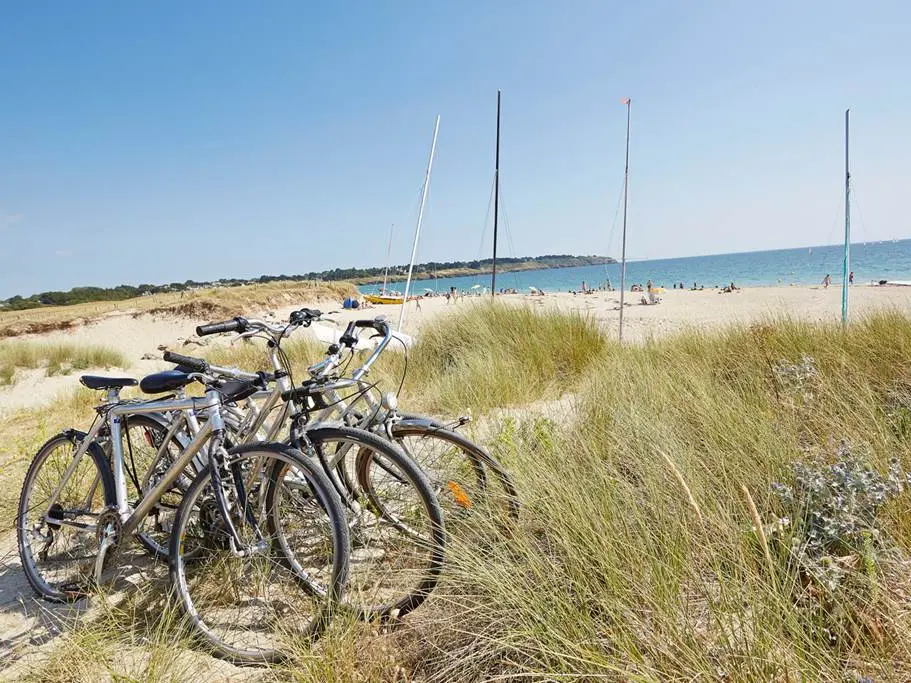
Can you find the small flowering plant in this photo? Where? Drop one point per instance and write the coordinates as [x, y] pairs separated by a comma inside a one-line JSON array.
[[833, 510], [797, 380]]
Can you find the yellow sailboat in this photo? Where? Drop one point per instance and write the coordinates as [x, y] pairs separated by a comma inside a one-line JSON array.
[[384, 298]]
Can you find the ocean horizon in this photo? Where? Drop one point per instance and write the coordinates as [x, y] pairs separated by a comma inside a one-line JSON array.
[[870, 262]]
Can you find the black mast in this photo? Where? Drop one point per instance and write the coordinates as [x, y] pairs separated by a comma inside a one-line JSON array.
[[496, 204]]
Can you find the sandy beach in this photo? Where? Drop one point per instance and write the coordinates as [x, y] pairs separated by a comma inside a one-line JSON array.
[[140, 338]]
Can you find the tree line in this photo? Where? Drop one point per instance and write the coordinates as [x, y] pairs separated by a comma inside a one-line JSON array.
[[81, 295]]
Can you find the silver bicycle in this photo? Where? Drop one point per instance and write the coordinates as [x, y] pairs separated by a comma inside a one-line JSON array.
[[258, 545], [467, 480], [395, 521]]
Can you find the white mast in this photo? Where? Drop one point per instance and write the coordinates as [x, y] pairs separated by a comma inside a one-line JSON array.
[[628, 103], [417, 230], [388, 256]]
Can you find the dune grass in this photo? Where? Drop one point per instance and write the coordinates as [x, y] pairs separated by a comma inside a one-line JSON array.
[[639, 557], [56, 359], [481, 358], [654, 544]]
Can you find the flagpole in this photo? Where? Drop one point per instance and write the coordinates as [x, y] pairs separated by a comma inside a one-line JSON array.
[[417, 230], [628, 102], [847, 265]]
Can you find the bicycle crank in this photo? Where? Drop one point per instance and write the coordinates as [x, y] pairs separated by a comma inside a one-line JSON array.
[[108, 530]]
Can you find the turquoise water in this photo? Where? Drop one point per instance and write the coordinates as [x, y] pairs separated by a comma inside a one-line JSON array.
[[870, 262]]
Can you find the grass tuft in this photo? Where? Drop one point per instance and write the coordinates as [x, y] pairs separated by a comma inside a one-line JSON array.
[[56, 359]]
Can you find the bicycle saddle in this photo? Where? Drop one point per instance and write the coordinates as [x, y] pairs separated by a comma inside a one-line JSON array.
[[160, 382], [96, 382]]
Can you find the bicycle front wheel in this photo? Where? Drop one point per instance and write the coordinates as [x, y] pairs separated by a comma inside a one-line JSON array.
[[251, 604]]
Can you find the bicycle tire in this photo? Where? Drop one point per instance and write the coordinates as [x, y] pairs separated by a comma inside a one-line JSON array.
[[97, 473], [373, 455], [495, 490], [285, 584]]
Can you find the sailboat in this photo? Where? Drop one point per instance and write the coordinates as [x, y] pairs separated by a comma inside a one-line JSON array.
[[386, 296], [394, 298]]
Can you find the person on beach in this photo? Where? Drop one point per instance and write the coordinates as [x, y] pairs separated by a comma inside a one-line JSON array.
[[826, 281], [649, 285], [851, 278]]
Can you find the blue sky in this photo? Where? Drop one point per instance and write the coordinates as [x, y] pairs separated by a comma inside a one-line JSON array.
[[152, 142]]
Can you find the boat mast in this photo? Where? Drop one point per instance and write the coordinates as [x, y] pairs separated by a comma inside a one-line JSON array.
[[496, 203], [417, 230], [388, 256], [847, 267], [628, 102]]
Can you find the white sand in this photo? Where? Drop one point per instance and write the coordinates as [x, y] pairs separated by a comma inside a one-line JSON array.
[[136, 337]]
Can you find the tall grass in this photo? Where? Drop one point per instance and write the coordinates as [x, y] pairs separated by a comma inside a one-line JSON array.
[[650, 546], [613, 572], [54, 358], [497, 355]]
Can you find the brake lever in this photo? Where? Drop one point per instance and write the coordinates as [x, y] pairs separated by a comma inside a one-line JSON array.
[[245, 335]]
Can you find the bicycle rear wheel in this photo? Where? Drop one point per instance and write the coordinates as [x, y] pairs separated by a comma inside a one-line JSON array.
[[397, 532], [55, 525], [465, 477], [252, 606]]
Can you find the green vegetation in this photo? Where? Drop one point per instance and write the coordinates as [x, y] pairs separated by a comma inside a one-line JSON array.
[[434, 269], [640, 558], [81, 295], [55, 358], [727, 506]]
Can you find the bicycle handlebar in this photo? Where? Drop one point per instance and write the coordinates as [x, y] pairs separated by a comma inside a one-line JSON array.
[[383, 328], [196, 364], [203, 367], [302, 317], [349, 339], [237, 324]]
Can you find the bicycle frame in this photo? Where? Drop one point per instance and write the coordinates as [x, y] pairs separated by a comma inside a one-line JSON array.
[[131, 519]]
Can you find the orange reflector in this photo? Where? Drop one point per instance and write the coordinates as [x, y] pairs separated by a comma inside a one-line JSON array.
[[459, 493], [148, 437]]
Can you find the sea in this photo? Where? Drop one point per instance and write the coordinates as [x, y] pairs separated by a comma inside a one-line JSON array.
[[871, 262]]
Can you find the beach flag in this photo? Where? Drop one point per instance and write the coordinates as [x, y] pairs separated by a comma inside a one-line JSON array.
[[625, 100]]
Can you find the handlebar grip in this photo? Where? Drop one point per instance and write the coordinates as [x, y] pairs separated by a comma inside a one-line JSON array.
[[348, 338], [197, 364], [237, 324], [380, 326]]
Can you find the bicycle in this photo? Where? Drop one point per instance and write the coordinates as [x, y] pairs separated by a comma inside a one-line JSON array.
[[259, 549], [395, 520], [463, 474]]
